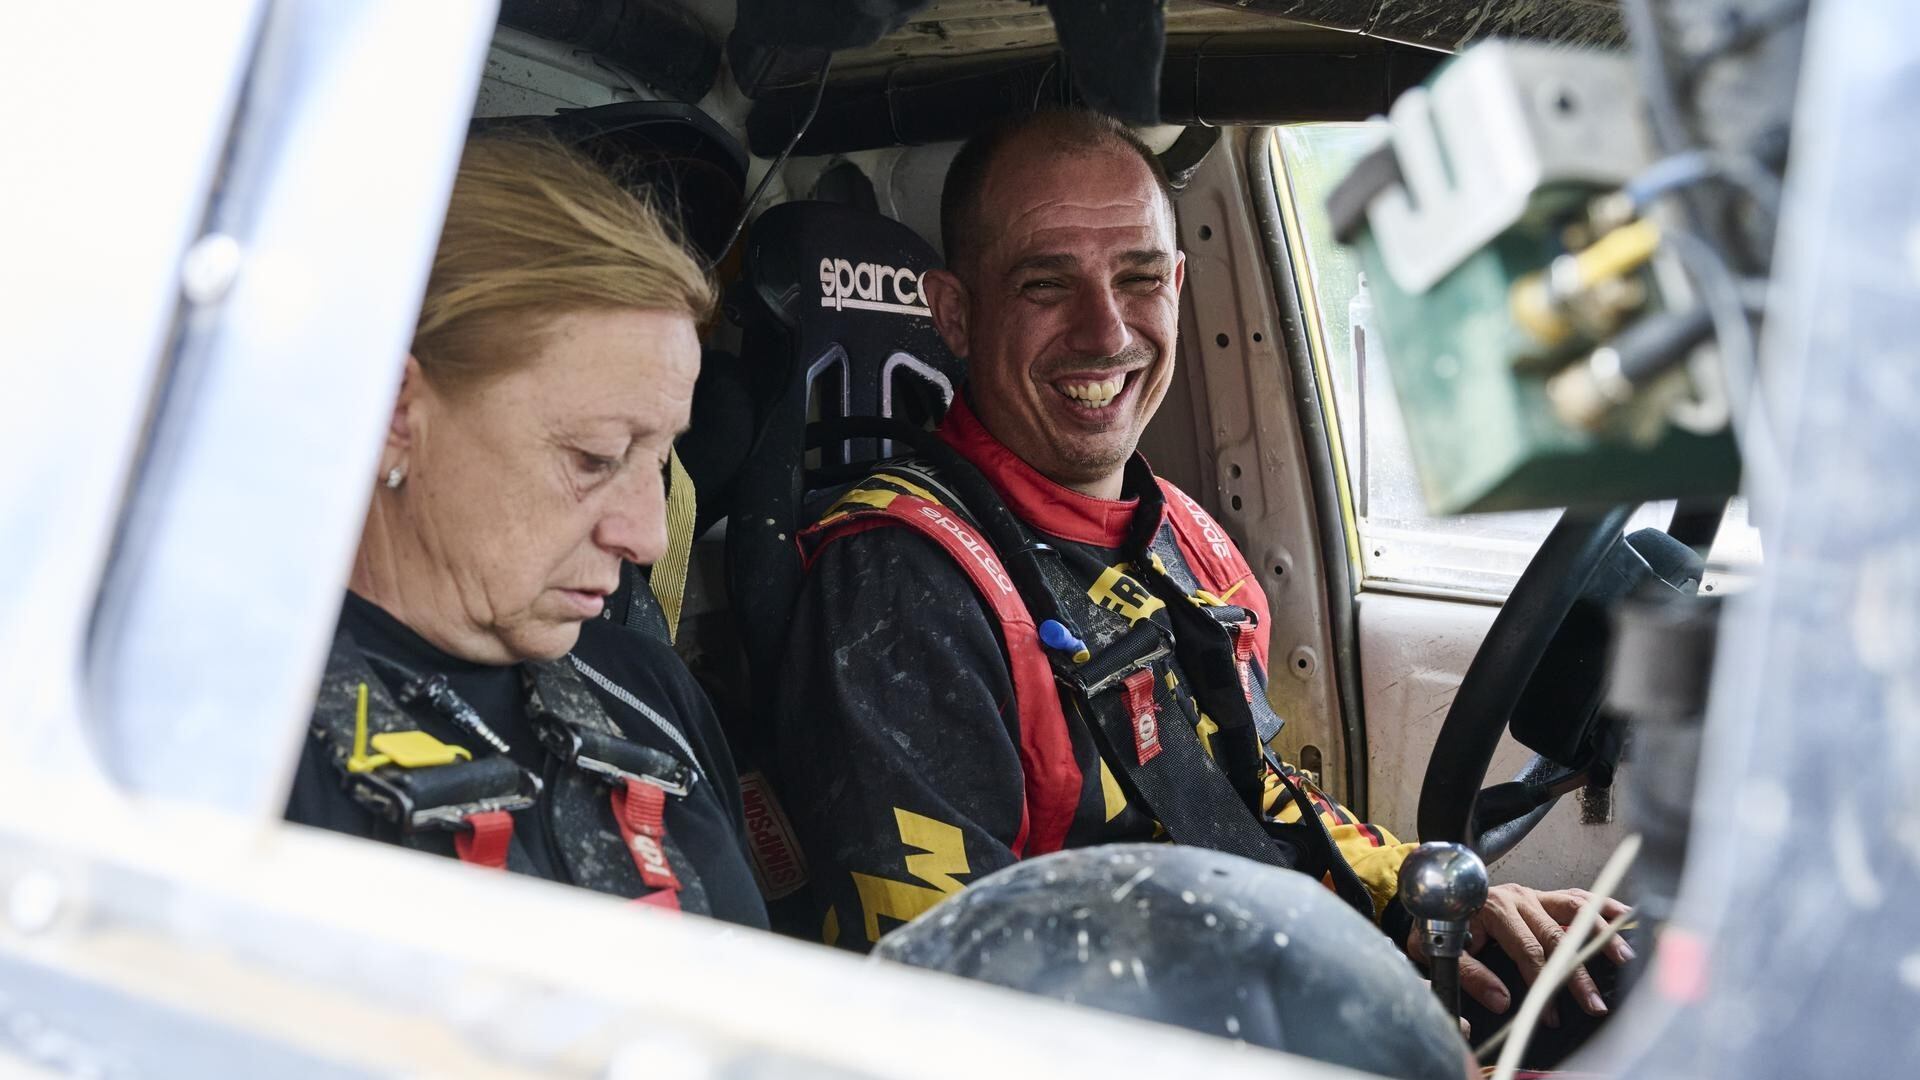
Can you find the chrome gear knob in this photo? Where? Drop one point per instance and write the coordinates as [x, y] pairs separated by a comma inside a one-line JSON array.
[[1443, 882], [1443, 885]]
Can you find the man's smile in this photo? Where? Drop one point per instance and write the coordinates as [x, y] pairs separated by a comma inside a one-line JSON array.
[[1093, 392]]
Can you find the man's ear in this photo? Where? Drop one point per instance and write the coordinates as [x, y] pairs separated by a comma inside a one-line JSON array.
[[1179, 270], [948, 300]]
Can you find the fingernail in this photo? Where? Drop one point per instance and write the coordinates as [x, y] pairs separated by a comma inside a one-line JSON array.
[[1552, 1017], [1501, 1002], [1625, 949], [1596, 1006]]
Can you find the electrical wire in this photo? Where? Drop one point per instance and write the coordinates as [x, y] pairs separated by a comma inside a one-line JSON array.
[[1727, 298], [1679, 171], [1607, 933], [1670, 129], [819, 91], [1564, 959], [1726, 301]]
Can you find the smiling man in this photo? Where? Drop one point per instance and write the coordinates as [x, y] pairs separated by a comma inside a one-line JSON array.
[[935, 726]]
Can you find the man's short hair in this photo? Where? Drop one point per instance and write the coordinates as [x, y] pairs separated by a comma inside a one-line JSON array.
[[1074, 130]]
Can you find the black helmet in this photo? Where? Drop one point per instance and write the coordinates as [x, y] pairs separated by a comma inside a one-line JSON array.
[[1196, 938]]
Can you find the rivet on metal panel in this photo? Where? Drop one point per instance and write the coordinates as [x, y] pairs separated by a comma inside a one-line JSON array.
[[1303, 662], [1282, 563], [34, 901], [210, 267]]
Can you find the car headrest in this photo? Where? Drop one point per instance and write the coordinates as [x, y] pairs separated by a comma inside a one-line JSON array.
[[833, 326], [838, 289]]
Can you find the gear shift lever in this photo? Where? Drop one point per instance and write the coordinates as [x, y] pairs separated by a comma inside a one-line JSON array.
[[1443, 885]]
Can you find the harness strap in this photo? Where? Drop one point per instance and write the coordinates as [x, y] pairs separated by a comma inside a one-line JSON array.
[[668, 580], [1243, 658], [638, 781], [1146, 716], [640, 809], [1218, 659], [486, 839], [1052, 779], [408, 796]]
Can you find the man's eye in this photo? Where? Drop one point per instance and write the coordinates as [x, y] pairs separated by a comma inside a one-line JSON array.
[[1144, 281], [595, 464], [1043, 287]]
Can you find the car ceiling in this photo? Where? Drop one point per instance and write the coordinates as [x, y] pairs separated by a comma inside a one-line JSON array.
[[955, 28]]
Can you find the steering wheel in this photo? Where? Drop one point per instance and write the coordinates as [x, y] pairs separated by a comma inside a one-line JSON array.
[[1499, 678]]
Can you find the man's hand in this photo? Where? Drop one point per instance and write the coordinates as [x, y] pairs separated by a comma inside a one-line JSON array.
[[1529, 925]]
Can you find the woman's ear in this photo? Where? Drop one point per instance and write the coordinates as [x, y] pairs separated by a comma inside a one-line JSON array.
[[947, 298], [404, 426]]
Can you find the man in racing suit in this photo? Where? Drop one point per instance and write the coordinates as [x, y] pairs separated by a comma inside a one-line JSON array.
[[921, 742]]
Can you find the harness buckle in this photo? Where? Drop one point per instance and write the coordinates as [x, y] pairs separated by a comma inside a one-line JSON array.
[[1138, 649], [617, 761], [445, 796]]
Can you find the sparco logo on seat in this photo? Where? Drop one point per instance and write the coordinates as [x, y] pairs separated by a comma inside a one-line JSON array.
[[870, 287]]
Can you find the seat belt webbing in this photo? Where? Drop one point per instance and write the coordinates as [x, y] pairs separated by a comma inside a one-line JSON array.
[[640, 806], [668, 578], [486, 839]]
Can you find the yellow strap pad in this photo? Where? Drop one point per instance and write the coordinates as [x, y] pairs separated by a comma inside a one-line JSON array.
[[669, 575]]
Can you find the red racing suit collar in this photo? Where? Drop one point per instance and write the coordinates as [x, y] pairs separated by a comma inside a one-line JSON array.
[[1050, 507]]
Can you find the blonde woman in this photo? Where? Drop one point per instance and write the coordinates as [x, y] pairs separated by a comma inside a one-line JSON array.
[[474, 703]]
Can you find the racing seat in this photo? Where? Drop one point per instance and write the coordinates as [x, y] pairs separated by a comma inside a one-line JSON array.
[[834, 329]]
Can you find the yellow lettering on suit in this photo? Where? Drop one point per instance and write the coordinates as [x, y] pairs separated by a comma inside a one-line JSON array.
[[943, 854]]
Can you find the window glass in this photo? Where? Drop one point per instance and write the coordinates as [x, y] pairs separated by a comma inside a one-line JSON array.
[[1398, 542]]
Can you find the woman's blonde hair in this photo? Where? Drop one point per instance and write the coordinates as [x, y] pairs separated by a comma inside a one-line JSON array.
[[535, 231]]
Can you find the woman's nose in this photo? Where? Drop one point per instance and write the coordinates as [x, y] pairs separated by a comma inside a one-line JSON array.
[[635, 528]]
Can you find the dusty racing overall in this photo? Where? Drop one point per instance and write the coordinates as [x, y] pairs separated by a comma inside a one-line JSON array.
[[1135, 650]]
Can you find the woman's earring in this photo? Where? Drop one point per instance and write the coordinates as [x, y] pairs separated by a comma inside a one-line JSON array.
[[394, 477]]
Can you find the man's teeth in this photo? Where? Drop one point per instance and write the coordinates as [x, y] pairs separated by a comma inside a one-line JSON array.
[[1097, 394]]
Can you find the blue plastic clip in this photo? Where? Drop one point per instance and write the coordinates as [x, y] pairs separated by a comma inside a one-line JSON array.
[[1055, 635]]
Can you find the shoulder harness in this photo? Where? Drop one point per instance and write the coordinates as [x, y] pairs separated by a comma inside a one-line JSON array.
[[1110, 664], [417, 787]]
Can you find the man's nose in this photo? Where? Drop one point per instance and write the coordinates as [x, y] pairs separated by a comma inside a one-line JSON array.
[[1099, 327], [635, 527]]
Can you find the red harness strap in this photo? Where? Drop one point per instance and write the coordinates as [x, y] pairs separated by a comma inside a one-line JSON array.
[[640, 809], [1051, 776], [1217, 565], [486, 840], [1145, 714], [1243, 657]]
